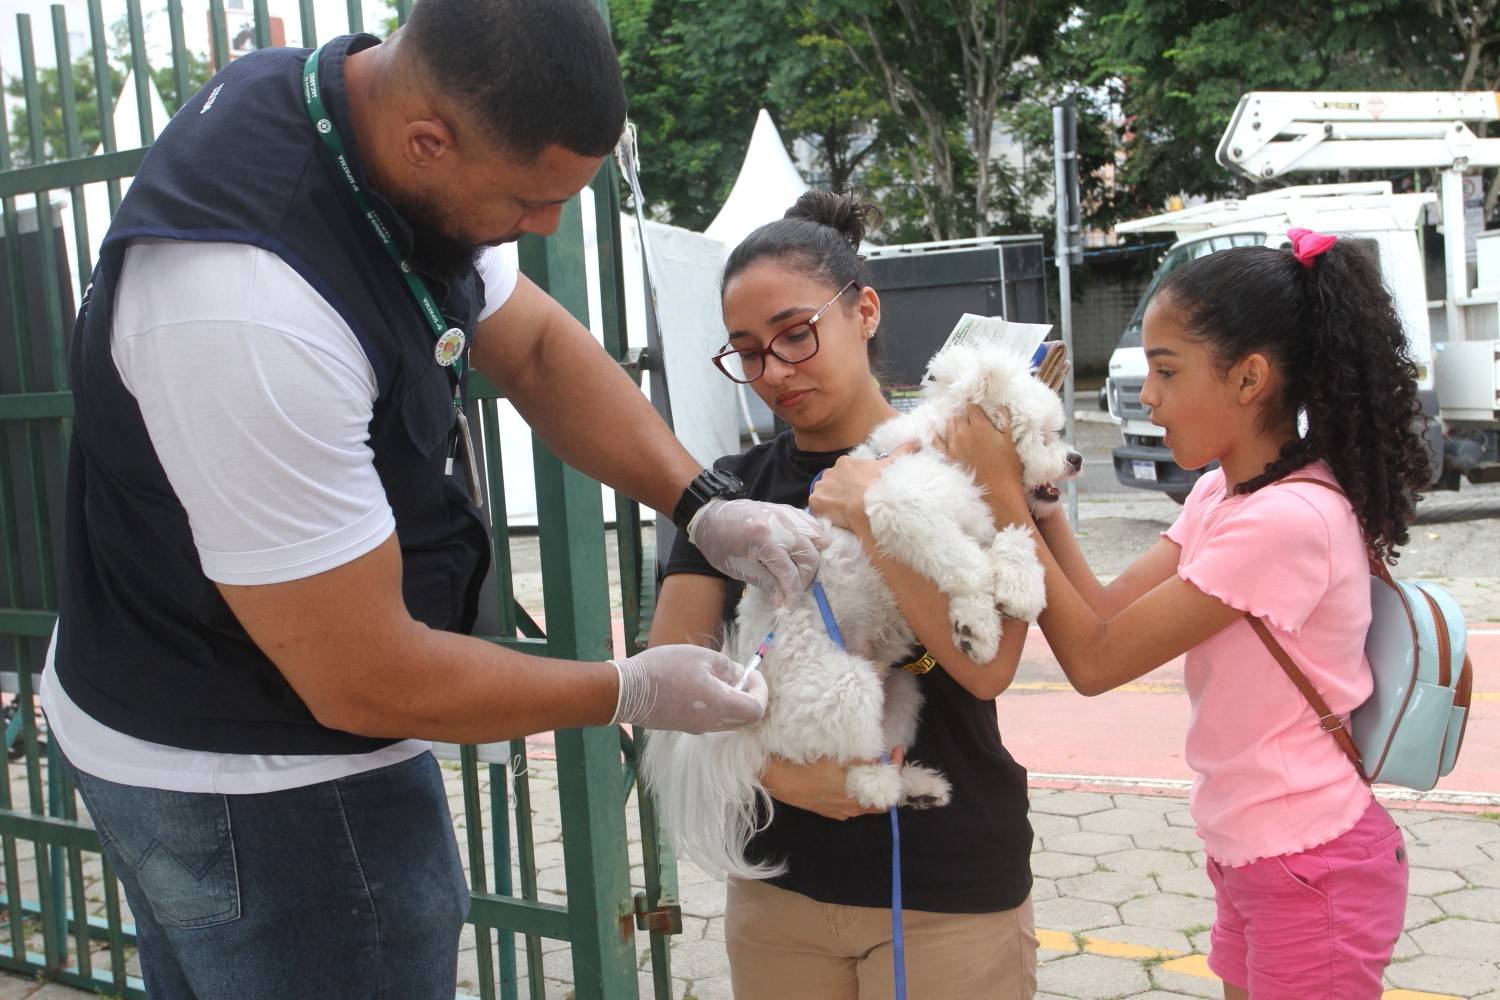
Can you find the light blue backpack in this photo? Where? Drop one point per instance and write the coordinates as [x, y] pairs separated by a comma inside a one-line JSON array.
[[1408, 732]]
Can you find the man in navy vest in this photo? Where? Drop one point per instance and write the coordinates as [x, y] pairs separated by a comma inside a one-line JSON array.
[[273, 555]]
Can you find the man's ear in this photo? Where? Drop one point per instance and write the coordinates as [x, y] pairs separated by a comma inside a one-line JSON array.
[[425, 141]]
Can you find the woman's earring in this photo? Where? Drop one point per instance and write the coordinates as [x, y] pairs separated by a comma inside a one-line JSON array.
[[870, 333]]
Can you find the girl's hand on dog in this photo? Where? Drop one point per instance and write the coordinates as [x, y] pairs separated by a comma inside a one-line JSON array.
[[984, 449], [818, 787]]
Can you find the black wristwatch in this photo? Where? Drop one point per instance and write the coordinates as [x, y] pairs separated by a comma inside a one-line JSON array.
[[710, 484]]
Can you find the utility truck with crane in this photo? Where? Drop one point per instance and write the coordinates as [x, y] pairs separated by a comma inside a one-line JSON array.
[[1454, 335]]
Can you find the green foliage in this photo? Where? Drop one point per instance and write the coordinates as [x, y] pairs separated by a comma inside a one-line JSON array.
[[54, 136], [1179, 69]]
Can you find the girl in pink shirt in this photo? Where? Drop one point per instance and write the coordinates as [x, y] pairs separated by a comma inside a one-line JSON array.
[[1309, 871]]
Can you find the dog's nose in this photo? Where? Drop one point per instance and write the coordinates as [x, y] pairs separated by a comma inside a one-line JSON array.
[[1075, 461]]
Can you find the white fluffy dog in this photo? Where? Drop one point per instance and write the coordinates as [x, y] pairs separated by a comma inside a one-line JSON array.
[[849, 704]]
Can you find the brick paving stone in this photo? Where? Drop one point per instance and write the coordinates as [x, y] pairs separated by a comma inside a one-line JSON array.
[[1159, 804], [1474, 939], [1434, 974], [1182, 818], [1476, 904], [703, 900], [1180, 983], [1144, 862], [1048, 824], [694, 960], [1052, 864], [1200, 941], [1106, 887], [1075, 915], [1485, 875], [1168, 910], [714, 988], [1156, 995], [1455, 830], [1431, 881], [713, 930], [1126, 821], [1420, 910], [1172, 838], [1043, 888], [1193, 882], [1088, 843], [1145, 937], [1450, 856], [1093, 977], [1072, 803], [14, 987], [1405, 948], [1491, 851]]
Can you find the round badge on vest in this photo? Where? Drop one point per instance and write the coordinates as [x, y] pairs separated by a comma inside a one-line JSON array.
[[450, 347]]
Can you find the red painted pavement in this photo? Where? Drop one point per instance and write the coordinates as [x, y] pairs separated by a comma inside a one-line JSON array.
[[1140, 734]]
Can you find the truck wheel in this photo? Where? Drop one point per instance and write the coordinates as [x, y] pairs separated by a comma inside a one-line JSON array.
[[1178, 498]]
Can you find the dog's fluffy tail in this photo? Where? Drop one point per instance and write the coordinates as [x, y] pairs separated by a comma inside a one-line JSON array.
[[706, 790]]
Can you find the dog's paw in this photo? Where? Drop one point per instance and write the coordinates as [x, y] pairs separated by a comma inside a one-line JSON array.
[[923, 788], [875, 786], [976, 626], [1020, 585]]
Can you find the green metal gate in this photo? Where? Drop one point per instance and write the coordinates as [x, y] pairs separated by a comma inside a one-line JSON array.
[[61, 912]]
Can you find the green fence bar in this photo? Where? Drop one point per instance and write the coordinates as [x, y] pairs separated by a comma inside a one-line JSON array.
[[73, 144], [140, 69], [356, 16], [218, 34], [262, 24], [179, 53], [104, 95], [309, 23]]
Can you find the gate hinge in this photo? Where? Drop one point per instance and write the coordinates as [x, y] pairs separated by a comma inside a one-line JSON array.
[[665, 919]]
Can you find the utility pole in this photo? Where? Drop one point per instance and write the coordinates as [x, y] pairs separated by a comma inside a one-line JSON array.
[[1068, 252]]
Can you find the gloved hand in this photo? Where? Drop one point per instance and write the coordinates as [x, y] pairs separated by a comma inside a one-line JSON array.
[[687, 689], [769, 545]]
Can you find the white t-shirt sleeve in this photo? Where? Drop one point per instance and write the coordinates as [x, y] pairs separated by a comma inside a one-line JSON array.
[[257, 398], [500, 268]]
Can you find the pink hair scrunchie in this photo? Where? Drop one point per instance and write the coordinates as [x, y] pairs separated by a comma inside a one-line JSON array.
[[1308, 245]]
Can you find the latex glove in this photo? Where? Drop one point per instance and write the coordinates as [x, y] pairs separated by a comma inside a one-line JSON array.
[[688, 689], [769, 545]]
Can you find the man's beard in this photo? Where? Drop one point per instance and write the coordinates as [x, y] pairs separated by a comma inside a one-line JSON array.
[[434, 251]]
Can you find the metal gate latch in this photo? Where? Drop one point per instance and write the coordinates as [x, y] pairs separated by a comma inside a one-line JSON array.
[[665, 919]]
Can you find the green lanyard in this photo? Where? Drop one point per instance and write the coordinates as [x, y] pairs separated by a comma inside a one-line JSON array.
[[448, 348]]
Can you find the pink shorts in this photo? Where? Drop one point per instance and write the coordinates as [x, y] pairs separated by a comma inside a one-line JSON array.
[[1314, 925]]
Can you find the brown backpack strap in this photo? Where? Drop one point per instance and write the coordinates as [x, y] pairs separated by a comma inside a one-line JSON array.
[[1327, 721]]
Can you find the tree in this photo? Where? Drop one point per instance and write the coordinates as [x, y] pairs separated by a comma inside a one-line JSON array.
[[949, 70], [698, 71], [54, 136], [1179, 69], [1476, 24]]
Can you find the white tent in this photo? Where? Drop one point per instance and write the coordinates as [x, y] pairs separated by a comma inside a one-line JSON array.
[[766, 187]]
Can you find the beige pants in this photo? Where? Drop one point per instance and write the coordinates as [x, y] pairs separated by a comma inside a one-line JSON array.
[[785, 946]]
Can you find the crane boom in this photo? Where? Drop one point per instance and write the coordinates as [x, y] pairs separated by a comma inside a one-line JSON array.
[[1274, 133]]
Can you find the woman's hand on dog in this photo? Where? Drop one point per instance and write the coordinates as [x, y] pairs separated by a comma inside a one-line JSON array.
[[818, 787], [839, 493]]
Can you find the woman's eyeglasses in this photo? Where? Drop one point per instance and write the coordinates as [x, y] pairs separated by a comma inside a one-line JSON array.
[[793, 345]]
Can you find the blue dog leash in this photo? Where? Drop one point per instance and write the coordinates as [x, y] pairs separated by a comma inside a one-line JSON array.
[[898, 939]]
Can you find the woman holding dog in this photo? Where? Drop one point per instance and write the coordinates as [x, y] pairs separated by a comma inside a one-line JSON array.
[[802, 321], [1309, 872]]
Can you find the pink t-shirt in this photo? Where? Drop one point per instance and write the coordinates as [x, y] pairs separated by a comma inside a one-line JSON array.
[[1269, 781]]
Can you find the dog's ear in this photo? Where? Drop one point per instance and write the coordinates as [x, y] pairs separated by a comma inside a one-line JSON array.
[[951, 366]]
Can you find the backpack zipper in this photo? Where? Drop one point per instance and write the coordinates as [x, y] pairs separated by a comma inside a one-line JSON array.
[[1445, 654]]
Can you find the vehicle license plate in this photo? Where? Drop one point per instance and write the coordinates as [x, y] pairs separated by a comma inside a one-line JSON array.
[[1144, 470]]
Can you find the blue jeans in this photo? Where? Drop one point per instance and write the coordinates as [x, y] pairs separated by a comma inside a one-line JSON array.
[[349, 889]]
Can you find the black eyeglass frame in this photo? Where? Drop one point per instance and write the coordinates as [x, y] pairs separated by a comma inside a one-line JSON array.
[[811, 323]]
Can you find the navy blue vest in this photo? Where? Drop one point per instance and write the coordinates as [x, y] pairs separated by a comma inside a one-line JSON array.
[[146, 645]]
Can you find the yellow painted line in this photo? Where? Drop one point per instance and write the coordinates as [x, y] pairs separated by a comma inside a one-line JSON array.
[[1188, 965], [1056, 941], [1119, 949]]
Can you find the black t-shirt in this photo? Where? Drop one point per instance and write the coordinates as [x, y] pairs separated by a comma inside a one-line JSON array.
[[970, 856]]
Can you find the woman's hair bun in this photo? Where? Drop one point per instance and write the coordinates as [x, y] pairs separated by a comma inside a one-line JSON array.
[[847, 213]]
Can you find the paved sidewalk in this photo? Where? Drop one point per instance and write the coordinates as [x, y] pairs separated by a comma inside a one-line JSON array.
[[1122, 904]]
